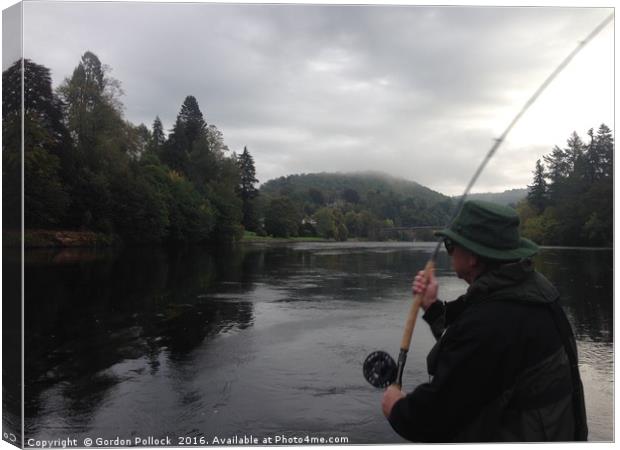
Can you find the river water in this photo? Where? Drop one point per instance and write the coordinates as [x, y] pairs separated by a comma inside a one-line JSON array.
[[261, 341]]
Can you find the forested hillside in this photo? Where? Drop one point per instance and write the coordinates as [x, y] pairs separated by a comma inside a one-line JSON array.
[[351, 205], [334, 185]]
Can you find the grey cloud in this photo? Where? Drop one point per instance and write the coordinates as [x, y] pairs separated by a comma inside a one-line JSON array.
[[406, 90]]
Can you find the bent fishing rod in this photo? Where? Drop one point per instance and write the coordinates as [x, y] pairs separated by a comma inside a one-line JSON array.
[[379, 368]]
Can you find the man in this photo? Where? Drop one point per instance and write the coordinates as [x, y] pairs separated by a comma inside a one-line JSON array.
[[504, 368]]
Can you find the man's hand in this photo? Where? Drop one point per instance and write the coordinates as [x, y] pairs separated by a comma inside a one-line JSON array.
[[392, 395], [428, 289]]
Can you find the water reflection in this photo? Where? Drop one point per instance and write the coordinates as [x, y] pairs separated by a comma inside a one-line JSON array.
[[88, 310], [256, 339], [585, 281]]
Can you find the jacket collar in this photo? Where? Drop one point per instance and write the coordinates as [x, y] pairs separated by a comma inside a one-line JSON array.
[[513, 281]]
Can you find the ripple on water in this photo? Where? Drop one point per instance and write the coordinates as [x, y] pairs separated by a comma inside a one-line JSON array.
[[598, 355]]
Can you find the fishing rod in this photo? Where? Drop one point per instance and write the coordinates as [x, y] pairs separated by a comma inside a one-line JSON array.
[[379, 368]]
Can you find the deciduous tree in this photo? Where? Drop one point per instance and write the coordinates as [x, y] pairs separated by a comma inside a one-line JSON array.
[[46, 141], [282, 218]]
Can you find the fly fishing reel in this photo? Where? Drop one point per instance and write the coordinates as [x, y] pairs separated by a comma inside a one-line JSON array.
[[380, 369]]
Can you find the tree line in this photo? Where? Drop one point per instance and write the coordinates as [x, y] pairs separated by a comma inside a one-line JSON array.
[[87, 168], [570, 200]]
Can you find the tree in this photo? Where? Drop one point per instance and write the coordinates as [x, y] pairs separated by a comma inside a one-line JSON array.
[[105, 143], [351, 196], [342, 234], [203, 165], [578, 206], [558, 167], [316, 196], [352, 221], [228, 209], [46, 141], [192, 119], [370, 226], [85, 167], [174, 153], [325, 223], [189, 134], [215, 142], [45, 199], [158, 138], [604, 149], [543, 228], [537, 192], [94, 111], [282, 218], [574, 151], [192, 217], [40, 103], [136, 140], [246, 189], [140, 214]]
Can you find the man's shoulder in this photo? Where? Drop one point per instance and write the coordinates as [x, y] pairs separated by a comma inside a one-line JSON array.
[[533, 289]]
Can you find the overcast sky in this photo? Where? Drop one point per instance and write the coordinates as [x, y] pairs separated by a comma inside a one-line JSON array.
[[416, 92]]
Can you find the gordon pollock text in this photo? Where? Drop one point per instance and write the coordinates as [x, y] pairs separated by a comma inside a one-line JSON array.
[[193, 441]]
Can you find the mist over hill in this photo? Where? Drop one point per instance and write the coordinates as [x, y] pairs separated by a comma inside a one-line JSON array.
[[366, 205], [509, 197], [333, 185]]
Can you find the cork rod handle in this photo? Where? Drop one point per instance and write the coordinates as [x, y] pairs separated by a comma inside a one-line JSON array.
[[415, 307]]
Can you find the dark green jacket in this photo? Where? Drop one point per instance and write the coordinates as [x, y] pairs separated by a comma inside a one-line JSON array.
[[504, 368]]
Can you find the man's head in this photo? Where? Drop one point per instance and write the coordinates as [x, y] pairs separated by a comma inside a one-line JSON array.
[[482, 235]]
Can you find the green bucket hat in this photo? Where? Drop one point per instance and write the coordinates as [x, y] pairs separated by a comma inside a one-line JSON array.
[[489, 230]]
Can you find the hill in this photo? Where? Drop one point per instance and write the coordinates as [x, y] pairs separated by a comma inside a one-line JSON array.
[[509, 198], [335, 186], [362, 203]]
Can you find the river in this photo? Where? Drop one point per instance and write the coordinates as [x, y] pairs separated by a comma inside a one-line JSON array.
[[256, 342]]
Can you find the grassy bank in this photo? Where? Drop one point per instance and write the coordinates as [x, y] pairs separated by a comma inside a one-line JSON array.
[[250, 236]]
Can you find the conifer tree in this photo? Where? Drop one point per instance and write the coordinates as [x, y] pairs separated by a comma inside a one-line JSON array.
[[175, 151], [574, 151], [247, 191], [158, 138], [193, 121], [186, 135], [578, 206], [537, 192], [605, 150]]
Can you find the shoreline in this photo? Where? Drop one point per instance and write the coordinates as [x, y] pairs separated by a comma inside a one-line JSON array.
[[61, 239]]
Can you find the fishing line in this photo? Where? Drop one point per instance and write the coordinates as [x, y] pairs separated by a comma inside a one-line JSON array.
[[379, 368]]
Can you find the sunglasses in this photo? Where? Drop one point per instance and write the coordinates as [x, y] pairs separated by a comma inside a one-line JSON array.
[[449, 244]]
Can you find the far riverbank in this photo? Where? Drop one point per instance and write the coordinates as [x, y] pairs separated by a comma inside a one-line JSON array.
[[86, 239], [91, 239]]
